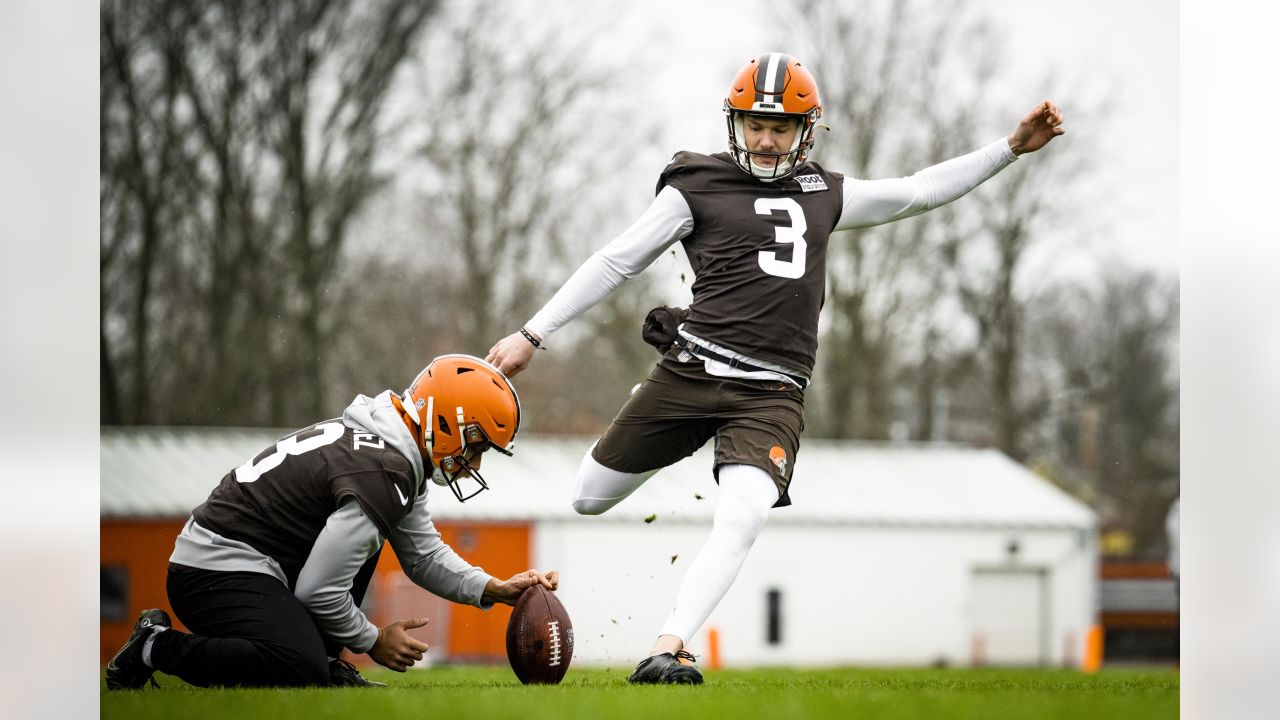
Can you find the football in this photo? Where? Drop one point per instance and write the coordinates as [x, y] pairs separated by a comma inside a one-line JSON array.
[[539, 638]]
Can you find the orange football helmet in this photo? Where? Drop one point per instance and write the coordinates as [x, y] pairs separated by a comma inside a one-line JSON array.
[[458, 407], [773, 85]]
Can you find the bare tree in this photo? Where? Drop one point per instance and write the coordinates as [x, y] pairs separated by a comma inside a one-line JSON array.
[[239, 142], [1112, 432], [510, 140], [520, 186], [138, 142], [988, 244], [888, 69]]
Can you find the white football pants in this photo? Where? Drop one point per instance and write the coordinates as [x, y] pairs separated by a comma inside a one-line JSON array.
[[746, 494]]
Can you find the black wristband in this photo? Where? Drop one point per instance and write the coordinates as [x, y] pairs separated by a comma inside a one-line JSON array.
[[535, 342]]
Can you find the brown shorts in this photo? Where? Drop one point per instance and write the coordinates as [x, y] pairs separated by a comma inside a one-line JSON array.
[[681, 406]]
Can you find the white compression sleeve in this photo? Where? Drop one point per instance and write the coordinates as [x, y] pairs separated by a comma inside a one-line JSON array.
[[600, 488], [875, 202], [746, 494], [666, 220]]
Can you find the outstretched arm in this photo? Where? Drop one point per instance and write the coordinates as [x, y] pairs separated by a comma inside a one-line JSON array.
[[665, 221], [1037, 128], [875, 202], [512, 353]]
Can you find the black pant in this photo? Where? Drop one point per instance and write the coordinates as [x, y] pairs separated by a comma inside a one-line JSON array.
[[247, 630]]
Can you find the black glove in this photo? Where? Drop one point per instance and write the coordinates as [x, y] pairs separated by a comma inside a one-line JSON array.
[[660, 326]]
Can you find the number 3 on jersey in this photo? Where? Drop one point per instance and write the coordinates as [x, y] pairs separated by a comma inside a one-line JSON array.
[[793, 234], [296, 444]]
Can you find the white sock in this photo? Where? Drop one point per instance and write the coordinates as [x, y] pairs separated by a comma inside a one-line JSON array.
[[146, 644], [746, 494]]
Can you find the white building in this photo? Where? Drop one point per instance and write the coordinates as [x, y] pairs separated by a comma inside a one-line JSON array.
[[903, 555]]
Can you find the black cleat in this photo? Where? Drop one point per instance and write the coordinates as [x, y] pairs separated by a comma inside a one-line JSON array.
[[667, 668], [126, 671], [344, 674]]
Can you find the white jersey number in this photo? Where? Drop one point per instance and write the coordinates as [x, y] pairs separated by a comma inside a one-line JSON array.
[[251, 471], [793, 235]]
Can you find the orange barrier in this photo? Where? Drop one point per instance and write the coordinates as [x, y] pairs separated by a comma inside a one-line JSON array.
[[713, 649], [1092, 649]]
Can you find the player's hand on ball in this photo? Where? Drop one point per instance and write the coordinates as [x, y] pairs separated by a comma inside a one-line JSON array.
[[511, 354], [509, 591], [395, 649]]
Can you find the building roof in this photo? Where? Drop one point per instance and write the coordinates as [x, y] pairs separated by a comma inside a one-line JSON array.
[[154, 472]]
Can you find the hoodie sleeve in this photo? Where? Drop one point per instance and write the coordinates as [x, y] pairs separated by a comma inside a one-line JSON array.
[[432, 564], [348, 540]]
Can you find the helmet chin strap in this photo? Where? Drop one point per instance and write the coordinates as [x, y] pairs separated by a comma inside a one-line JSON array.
[[770, 174]]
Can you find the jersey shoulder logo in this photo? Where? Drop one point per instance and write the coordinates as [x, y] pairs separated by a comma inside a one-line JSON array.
[[403, 500], [811, 183]]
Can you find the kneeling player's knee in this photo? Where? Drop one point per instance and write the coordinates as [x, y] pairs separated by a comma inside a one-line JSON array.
[[295, 666]]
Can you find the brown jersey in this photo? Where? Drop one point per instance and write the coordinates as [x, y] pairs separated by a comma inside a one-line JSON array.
[[279, 501], [759, 255]]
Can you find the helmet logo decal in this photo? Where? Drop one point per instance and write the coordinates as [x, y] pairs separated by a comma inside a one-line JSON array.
[[778, 457]]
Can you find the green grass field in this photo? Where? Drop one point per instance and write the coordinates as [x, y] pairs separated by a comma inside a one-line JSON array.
[[471, 693]]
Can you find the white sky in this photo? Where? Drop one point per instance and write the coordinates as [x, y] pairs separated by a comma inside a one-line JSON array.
[[1133, 45]]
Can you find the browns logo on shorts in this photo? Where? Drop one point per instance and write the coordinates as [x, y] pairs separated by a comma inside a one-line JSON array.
[[778, 457]]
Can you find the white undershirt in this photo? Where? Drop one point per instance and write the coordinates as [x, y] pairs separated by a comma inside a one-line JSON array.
[[668, 219]]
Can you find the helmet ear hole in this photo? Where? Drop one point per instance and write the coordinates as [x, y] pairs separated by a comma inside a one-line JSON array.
[[444, 425]]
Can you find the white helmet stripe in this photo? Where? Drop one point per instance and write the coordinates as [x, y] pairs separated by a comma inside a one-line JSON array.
[[428, 427], [774, 75], [772, 83]]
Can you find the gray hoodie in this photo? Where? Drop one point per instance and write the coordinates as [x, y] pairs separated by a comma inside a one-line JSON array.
[[348, 540]]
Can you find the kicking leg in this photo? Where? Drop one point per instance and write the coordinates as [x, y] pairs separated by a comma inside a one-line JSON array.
[[600, 488], [746, 494]]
